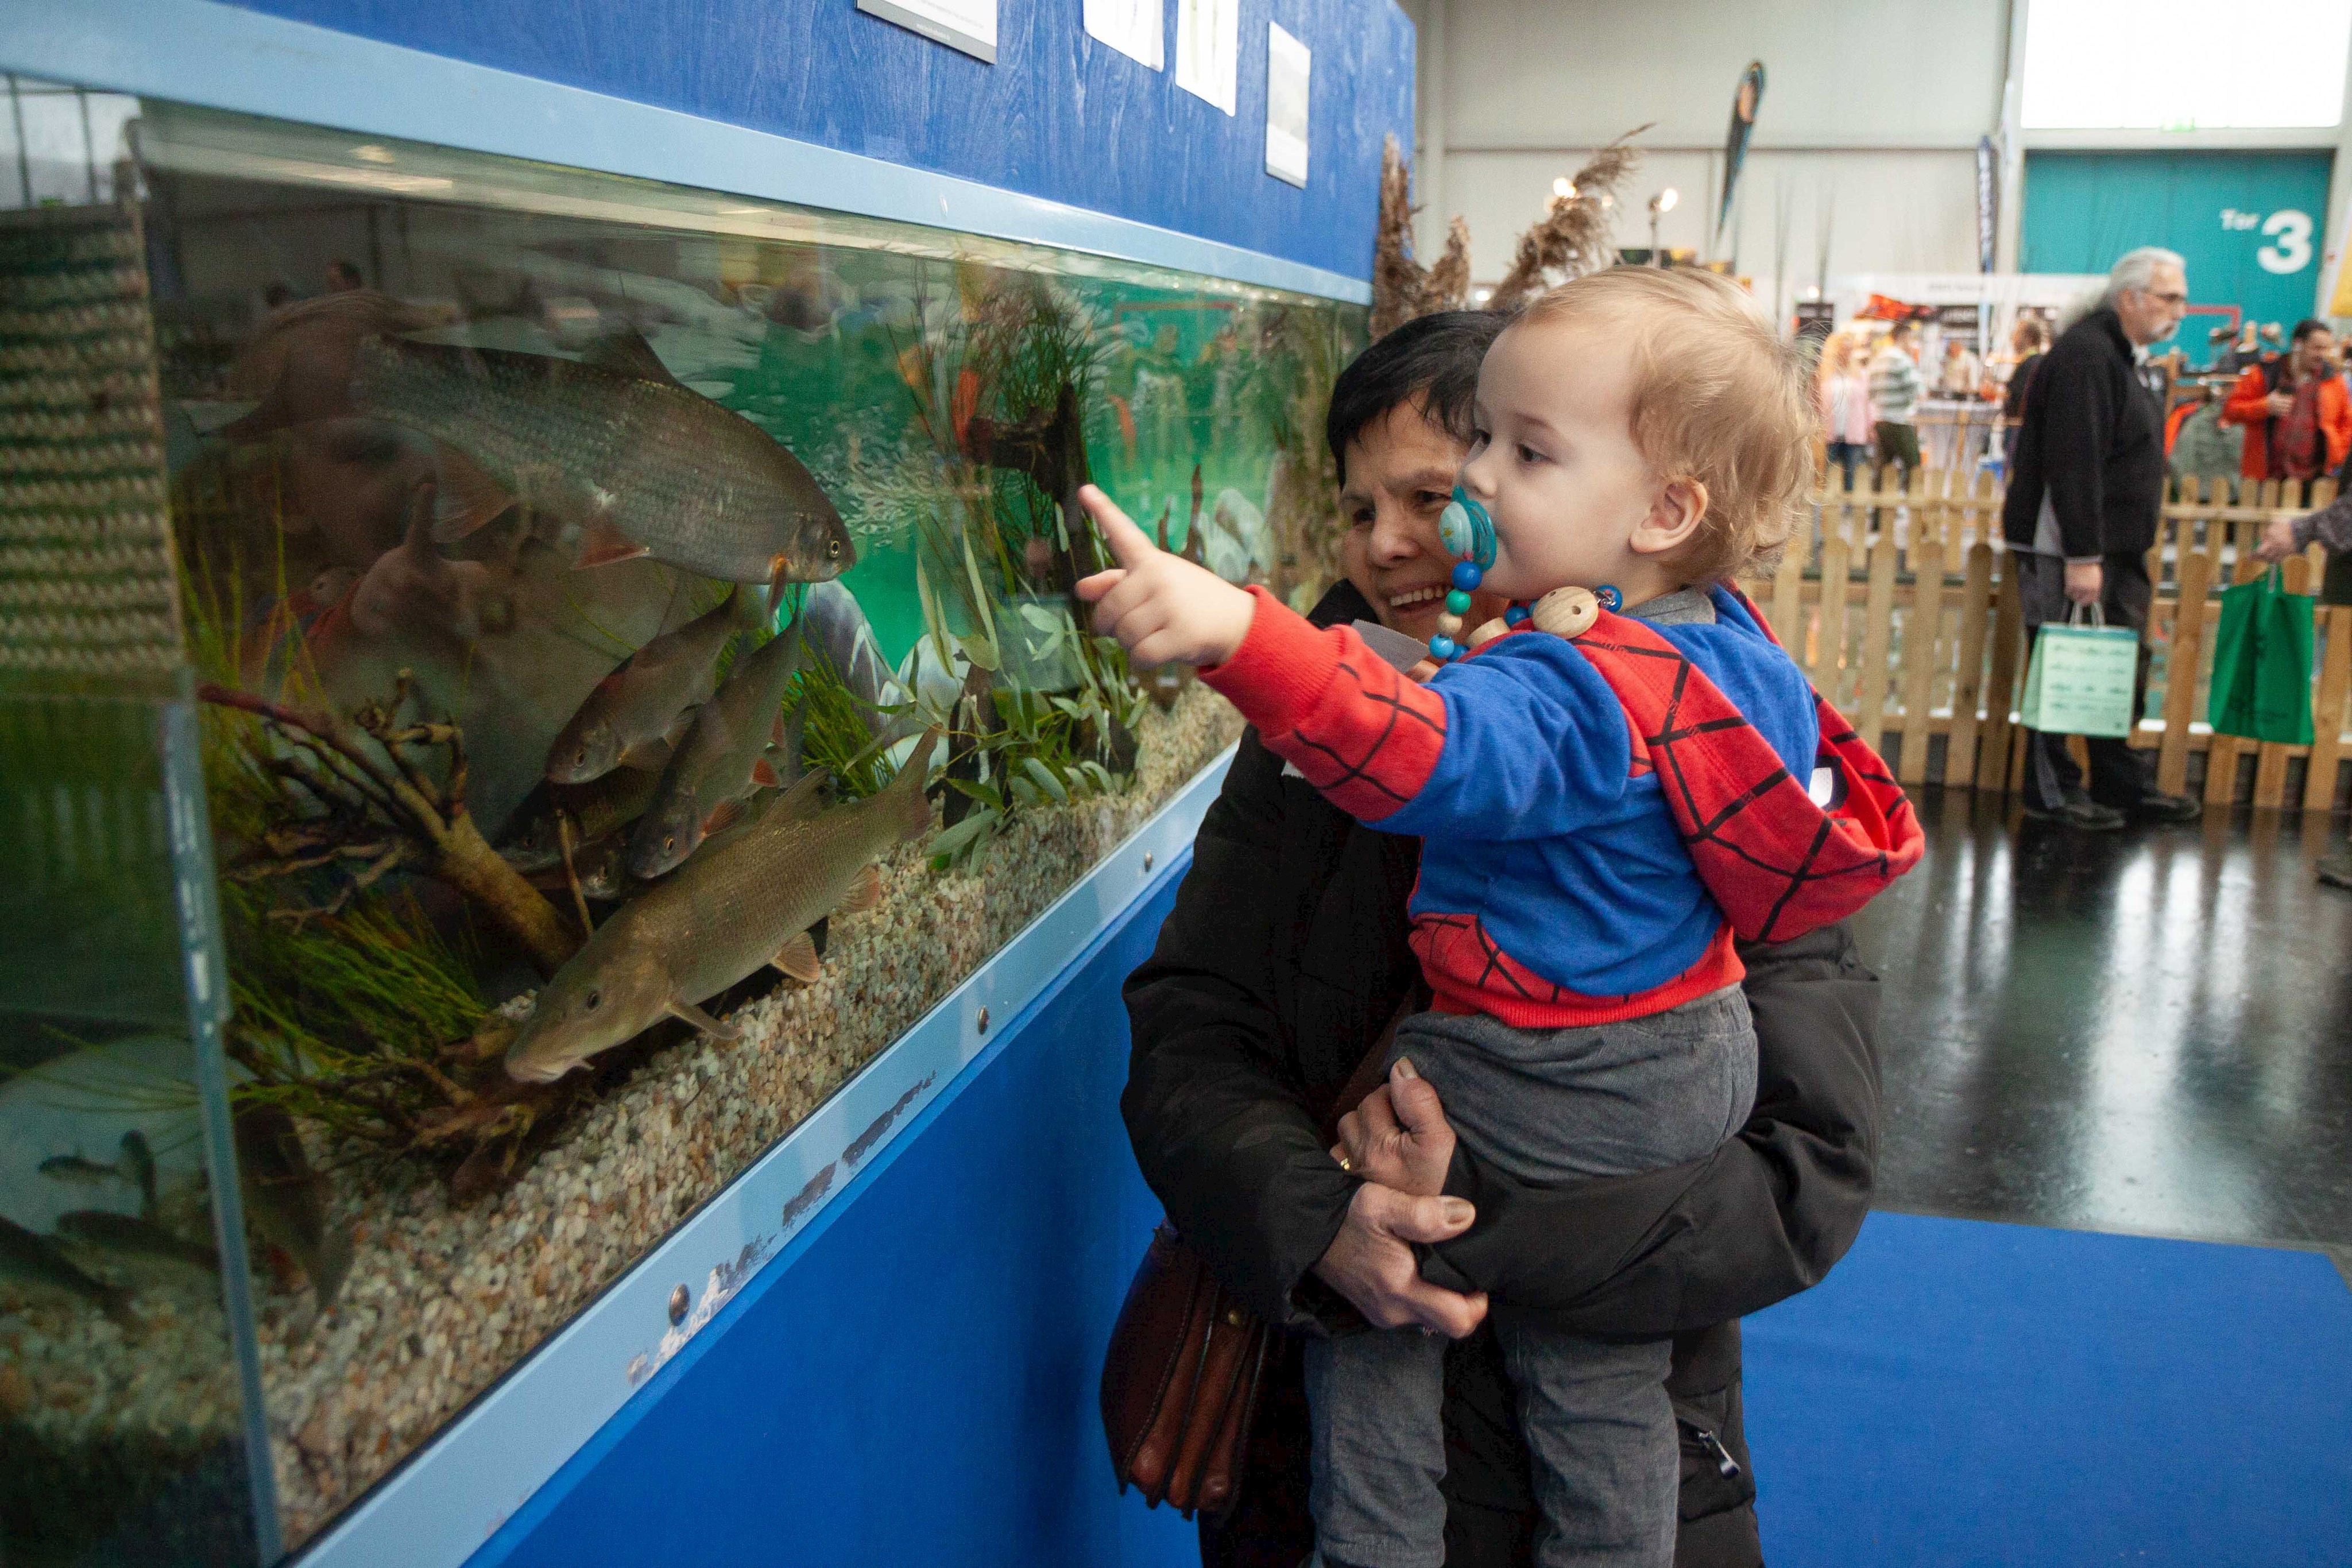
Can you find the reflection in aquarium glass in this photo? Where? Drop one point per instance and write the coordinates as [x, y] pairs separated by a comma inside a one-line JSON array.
[[632, 640]]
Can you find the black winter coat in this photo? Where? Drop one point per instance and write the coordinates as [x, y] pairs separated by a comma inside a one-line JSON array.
[[1283, 960], [2093, 440]]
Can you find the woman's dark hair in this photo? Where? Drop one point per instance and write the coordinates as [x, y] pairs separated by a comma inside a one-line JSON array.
[[1432, 361], [2305, 327]]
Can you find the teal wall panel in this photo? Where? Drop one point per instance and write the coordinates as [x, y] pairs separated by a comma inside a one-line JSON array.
[[2250, 225]]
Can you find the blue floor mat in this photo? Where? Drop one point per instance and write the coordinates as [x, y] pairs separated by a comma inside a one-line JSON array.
[[1963, 1393]]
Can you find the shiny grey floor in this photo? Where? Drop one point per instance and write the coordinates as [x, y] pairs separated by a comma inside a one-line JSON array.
[[2146, 1031]]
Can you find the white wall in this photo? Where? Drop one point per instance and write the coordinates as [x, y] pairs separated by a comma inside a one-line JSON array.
[[1871, 115]]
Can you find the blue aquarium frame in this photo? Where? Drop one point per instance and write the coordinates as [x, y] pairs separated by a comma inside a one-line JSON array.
[[669, 1431]]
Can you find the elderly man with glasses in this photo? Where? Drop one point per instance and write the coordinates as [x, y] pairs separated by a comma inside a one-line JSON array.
[[2085, 490]]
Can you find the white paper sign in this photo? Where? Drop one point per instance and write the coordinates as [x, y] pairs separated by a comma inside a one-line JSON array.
[[1136, 28], [1209, 50], [966, 25], [1287, 62]]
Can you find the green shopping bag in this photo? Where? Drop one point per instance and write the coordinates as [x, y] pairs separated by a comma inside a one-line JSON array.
[[2082, 678], [2261, 664]]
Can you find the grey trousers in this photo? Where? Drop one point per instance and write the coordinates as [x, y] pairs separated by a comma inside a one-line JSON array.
[[1548, 1107]]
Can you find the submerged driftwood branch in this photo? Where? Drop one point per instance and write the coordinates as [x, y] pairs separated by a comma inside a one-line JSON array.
[[384, 809]]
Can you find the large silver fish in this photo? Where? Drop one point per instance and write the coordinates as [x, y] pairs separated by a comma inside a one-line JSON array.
[[746, 901], [614, 444], [723, 758], [645, 699]]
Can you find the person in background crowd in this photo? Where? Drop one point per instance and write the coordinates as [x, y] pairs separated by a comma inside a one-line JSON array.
[[2027, 340], [1843, 392], [2198, 445], [2242, 353], [2084, 496], [2330, 527], [2297, 414], [1895, 390], [1961, 376]]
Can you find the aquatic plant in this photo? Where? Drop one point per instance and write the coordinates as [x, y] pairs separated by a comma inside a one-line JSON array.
[[355, 800]]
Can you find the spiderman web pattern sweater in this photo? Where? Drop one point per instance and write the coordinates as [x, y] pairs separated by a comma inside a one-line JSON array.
[[1556, 888]]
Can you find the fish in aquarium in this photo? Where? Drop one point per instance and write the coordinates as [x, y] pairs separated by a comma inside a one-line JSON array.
[[35, 1260], [134, 1167], [286, 1199], [595, 809], [631, 717], [745, 901], [134, 1236], [602, 866], [723, 758], [614, 445]]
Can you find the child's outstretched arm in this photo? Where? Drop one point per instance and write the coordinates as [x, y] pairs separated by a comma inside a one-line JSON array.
[[1161, 608], [1523, 742]]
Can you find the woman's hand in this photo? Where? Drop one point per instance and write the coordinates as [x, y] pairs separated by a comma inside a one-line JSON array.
[[1371, 1261], [1399, 1136], [2278, 539], [1161, 608]]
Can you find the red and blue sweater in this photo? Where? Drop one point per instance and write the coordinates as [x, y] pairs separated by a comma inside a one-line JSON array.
[[1558, 884]]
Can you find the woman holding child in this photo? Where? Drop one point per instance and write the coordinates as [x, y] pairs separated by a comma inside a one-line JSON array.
[[1741, 1111]]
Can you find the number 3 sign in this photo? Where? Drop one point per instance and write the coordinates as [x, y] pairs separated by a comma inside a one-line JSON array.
[[2291, 248]]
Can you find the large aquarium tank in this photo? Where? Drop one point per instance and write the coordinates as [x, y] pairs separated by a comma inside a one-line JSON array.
[[515, 684]]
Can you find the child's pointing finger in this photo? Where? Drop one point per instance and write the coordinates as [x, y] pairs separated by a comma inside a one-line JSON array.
[[1129, 546]]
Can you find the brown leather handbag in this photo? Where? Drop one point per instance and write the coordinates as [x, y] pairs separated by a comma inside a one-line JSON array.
[[1180, 1382]]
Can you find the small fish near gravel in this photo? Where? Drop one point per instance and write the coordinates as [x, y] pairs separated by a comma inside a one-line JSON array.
[[112, 1232], [35, 1260]]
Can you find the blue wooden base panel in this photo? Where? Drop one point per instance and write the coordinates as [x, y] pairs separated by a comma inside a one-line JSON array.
[[912, 1380]]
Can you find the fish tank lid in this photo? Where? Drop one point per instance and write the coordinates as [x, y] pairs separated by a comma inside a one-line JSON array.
[[189, 138]]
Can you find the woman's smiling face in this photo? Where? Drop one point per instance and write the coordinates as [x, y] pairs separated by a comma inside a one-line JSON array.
[[1400, 471]]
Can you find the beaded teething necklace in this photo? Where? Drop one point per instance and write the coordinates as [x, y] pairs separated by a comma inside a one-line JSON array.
[[1467, 531]]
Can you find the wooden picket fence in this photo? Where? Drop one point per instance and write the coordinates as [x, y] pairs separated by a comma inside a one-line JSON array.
[[1900, 606]]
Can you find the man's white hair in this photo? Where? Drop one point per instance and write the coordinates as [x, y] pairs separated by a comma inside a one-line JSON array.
[[2137, 270]]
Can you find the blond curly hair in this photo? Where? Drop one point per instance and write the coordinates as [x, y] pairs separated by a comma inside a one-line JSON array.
[[1720, 399]]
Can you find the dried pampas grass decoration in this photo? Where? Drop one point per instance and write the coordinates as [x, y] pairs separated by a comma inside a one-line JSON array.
[[1574, 237], [1403, 289]]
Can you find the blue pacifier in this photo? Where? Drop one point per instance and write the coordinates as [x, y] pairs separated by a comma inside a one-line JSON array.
[[1467, 531]]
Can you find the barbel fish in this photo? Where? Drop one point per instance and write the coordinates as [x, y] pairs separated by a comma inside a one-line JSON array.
[[614, 444], [645, 700], [746, 901], [35, 1259], [138, 1238], [723, 757], [288, 1199]]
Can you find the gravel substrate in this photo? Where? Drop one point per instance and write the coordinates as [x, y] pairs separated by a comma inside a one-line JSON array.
[[440, 1302]]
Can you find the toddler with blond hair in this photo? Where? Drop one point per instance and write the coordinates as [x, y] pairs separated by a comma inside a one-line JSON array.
[[1610, 780]]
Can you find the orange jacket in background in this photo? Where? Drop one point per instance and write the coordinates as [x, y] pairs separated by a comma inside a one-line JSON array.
[[2248, 405]]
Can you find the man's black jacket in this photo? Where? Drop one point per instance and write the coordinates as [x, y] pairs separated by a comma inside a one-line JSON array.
[[1283, 960], [2093, 440]]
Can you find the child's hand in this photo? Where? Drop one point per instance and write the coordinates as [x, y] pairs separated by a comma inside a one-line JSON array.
[[1161, 608]]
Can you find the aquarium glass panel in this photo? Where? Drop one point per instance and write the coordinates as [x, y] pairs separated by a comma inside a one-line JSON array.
[[629, 635], [123, 1418]]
